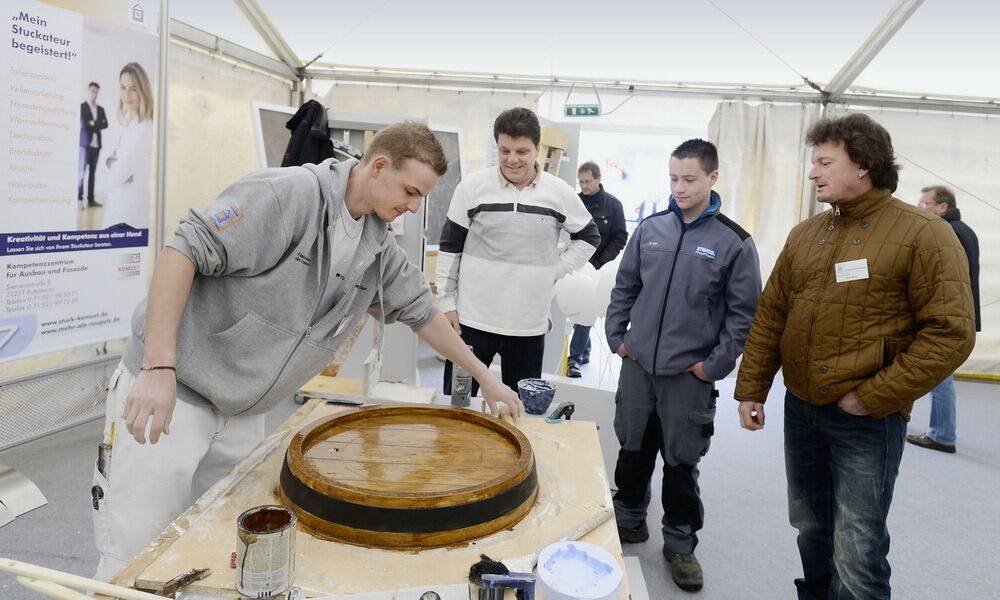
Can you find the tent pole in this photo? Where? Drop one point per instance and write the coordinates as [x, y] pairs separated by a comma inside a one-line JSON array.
[[896, 18], [161, 125]]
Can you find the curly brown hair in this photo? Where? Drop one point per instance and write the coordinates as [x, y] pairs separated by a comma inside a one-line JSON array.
[[866, 142]]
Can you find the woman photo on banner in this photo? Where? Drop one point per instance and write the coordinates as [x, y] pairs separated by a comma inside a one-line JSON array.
[[129, 165]]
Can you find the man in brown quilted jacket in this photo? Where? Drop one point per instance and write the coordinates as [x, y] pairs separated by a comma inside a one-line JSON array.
[[868, 307]]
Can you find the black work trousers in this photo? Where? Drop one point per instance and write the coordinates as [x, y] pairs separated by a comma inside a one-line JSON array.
[[670, 415], [520, 357]]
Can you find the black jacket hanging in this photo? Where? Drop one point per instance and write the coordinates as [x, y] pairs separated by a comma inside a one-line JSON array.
[[310, 141]]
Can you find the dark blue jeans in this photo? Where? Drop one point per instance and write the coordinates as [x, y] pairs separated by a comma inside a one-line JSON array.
[[579, 344], [841, 471]]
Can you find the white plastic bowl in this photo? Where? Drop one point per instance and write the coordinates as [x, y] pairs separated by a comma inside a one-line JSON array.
[[577, 571]]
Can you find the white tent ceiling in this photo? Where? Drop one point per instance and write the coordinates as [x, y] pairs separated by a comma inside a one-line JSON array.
[[946, 48]]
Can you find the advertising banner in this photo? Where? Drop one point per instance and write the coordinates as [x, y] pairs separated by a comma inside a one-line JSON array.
[[77, 113]]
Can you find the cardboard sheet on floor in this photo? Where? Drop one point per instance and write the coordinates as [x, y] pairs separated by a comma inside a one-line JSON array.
[[18, 494], [573, 501], [5, 515]]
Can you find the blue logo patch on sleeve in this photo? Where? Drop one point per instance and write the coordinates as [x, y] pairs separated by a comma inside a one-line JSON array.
[[224, 217], [706, 252]]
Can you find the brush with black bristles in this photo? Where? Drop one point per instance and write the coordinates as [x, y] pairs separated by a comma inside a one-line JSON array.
[[484, 566], [493, 578]]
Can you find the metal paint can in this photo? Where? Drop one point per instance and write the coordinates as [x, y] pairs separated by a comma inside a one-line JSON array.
[[461, 385], [265, 551]]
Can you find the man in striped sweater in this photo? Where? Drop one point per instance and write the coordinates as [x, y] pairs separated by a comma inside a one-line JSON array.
[[500, 254]]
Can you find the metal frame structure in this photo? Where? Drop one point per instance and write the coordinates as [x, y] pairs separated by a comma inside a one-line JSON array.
[[838, 90], [893, 21], [258, 18], [161, 124], [213, 44], [722, 91]]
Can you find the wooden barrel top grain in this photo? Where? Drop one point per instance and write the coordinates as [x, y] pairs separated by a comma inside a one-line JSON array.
[[409, 476]]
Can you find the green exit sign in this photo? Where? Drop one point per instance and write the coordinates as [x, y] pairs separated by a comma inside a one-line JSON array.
[[583, 110]]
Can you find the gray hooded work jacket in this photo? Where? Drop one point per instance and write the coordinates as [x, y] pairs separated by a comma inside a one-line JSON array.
[[262, 250], [685, 292]]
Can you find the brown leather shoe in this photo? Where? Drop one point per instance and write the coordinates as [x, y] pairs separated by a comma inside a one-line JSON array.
[[925, 442]]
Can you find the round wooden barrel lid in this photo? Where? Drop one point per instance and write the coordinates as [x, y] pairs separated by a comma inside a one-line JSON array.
[[409, 476]]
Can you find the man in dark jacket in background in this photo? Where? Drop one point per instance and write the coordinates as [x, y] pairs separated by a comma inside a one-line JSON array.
[[688, 284], [940, 201], [610, 220]]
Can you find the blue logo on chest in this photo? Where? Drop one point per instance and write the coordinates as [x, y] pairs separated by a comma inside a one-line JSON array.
[[706, 252]]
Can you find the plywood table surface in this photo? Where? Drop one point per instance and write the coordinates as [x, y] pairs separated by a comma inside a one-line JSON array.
[[573, 501]]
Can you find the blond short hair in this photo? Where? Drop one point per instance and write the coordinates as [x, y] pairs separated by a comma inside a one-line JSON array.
[[408, 140]]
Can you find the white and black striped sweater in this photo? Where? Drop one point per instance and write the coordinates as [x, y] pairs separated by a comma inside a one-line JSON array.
[[500, 252]]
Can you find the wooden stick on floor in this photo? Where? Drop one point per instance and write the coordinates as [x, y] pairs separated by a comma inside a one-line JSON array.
[[52, 590], [85, 583]]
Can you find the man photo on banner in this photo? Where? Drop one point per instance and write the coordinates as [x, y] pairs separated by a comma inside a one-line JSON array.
[[92, 122]]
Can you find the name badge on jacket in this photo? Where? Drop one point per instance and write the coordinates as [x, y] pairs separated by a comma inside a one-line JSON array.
[[852, 270]]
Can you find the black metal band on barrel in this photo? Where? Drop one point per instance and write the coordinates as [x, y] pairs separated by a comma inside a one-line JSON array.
[[405, 520]]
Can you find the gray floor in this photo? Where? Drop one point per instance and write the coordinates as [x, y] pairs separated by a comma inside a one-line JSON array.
[[944, 522]]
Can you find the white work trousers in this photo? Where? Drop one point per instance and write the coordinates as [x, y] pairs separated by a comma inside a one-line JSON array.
[[146, 486]]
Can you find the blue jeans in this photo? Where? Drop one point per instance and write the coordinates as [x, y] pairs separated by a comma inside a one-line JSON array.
[[579, 344], [841, 471], [942, 429]]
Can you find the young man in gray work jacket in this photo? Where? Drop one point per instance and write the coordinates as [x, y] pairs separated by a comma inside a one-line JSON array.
[[248, 302], [685, 295]]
